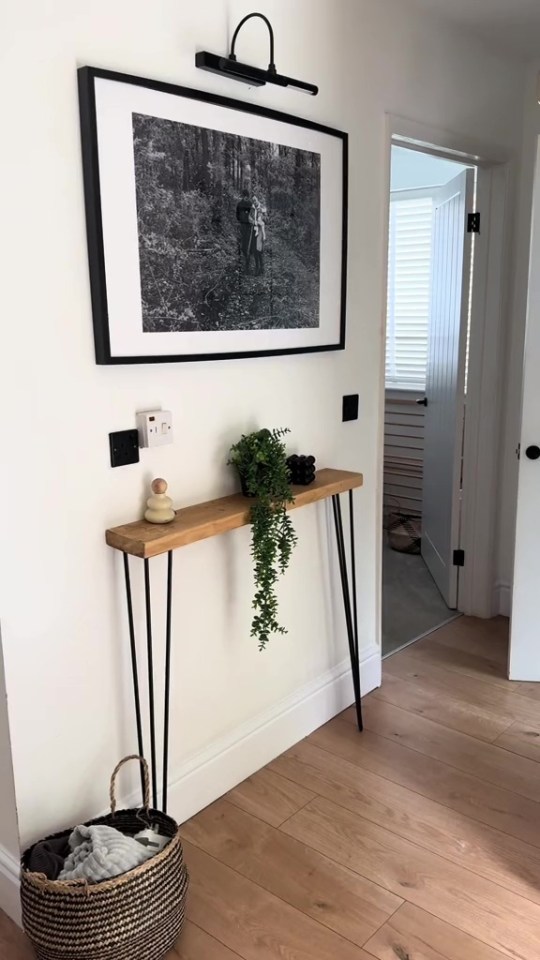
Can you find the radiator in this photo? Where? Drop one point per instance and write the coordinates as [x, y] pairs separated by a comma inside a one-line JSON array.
[[403, 453]]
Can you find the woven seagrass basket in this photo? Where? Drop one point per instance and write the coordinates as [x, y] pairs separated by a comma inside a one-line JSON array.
[[135, 916]]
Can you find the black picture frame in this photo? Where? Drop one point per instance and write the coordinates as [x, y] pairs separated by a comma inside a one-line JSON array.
[[87, 77]]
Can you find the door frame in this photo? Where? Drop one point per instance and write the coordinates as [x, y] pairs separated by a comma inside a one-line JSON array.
[[490, 299]]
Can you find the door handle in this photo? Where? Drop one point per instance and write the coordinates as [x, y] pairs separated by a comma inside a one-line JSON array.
[[533, 453], [423, 403]]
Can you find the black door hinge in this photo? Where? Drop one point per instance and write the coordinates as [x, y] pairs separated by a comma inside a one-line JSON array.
[[473, 222], [459, 558]]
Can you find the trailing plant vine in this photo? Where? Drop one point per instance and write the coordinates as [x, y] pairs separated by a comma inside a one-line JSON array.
[[261, 461]]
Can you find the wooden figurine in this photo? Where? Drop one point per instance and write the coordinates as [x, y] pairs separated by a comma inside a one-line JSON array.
[[160, 508]]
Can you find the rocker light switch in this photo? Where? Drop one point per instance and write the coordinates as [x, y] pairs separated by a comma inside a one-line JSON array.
[[350, 407]]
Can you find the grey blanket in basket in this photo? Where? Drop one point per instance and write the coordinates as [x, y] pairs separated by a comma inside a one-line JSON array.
[[101, 852]]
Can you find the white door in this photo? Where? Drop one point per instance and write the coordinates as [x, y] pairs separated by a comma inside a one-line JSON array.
[[524, 663], [445, 381]]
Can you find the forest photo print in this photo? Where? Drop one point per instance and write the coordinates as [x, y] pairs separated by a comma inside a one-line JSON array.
[[216, 228], [229, 230]]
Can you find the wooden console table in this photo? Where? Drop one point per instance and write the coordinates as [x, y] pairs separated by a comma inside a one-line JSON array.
[[198, 522]]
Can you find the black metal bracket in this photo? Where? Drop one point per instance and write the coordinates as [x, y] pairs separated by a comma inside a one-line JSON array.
[[351, 609]]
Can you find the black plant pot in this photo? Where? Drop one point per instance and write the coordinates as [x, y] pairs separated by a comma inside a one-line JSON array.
[[244, 488], [262, 471]]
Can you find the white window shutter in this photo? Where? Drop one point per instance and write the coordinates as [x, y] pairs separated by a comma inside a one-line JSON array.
[[409, 281]]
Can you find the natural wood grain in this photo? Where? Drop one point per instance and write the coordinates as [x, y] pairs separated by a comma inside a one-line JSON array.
[[460, 661], [486, 761], [418, 698], [529, 690], [507, 861], [476, 906], [515, 815], [13, 943], [253, 922], [336, 897], [522, 738], [413, 934], [269, 797], [308, 858], [203, 520], [470, 691], [487, 639], [196, 944]]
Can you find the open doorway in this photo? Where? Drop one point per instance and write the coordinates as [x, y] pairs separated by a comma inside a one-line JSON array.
[[430, 262]]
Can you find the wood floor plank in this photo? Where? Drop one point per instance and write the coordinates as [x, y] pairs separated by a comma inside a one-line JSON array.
[[505, 860], [269, 797], [468, 690], [502, 809], [484, 638], [522, 738], [476, 906], [13, 943], [420, 841], [336, 897], [529, 690], [417, 697], [460, 661], [413, 934], [196, 944], [485, 760], [254, 923]]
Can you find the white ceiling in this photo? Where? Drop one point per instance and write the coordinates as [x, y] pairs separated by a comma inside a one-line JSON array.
[[511, 26]]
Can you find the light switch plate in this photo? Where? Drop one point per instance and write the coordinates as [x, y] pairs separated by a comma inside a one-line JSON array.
[[350, 407], [155, 428]]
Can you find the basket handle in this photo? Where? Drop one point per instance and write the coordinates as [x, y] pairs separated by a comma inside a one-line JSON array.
[[146, 781]]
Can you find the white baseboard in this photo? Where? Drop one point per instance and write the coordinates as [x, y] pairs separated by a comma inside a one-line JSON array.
[[210, 773], [9, 885], [502, 598]]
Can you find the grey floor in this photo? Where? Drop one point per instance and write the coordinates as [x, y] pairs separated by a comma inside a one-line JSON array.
[[411, 603]]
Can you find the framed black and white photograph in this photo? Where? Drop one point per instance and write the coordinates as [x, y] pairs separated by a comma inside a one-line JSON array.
[[216, 228]]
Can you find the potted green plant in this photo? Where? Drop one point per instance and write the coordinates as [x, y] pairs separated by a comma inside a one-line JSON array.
[[261, 461]]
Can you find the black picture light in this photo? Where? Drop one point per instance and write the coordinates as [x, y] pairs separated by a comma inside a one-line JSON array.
[[254, 76]]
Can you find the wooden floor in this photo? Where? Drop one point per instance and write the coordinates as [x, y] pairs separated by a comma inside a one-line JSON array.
[[417, 840]]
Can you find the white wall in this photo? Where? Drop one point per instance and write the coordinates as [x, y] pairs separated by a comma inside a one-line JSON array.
[[61, 605]]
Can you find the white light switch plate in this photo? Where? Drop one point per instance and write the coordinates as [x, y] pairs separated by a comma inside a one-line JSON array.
[[155, 428]]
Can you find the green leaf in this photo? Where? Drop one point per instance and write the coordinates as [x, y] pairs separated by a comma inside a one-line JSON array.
[[261, 461]]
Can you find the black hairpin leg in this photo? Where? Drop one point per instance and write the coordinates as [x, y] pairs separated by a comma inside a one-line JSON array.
[[135, 673], [134, 668], [351, 612], [150, 655], [167, 682]]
